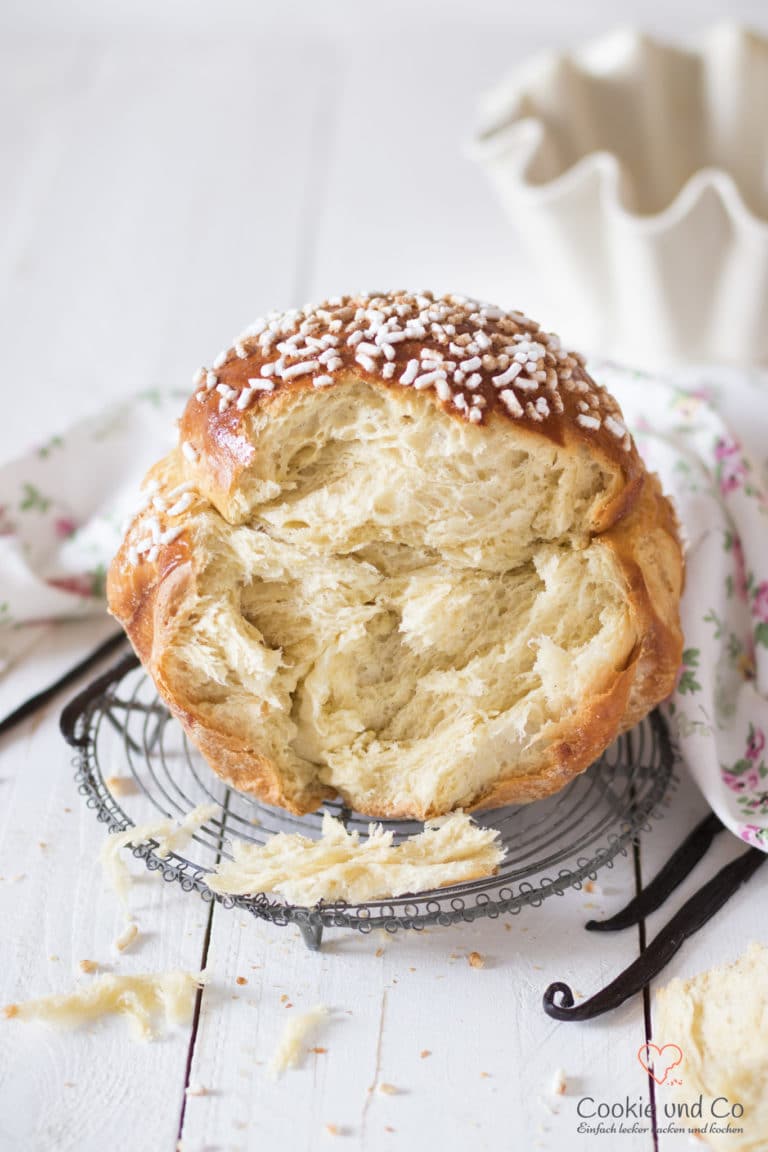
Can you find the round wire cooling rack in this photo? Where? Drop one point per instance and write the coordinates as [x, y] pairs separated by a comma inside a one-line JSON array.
[[134, 763]]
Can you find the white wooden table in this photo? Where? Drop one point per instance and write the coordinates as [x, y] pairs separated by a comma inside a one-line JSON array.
[[166, 176]]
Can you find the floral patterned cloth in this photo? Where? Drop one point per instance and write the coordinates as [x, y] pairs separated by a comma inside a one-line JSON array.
[[62, 506], [705, 433]]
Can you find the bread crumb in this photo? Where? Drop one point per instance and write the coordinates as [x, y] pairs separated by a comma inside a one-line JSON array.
[[424, 1053], [88, 966], [241, 980], [122, 785], [507, 926], [485, 1075], [388, 1090], [195, 1090], [476, 960], [127, 936], [589, 886], [284, 997], [389, 1128], [10, 1011], [290, 1049], [559, 1083], [319, 1051], [332, 1129], [379, 952], [42, 845]]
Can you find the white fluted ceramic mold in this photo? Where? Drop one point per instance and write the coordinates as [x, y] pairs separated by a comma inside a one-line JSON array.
[[637, 173]]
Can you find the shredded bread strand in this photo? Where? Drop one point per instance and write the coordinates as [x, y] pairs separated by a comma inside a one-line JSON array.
[[171, 836], [142, 999], [339, 866], [292, 1045]]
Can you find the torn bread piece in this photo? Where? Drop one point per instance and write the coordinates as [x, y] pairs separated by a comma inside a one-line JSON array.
[[171, 836], [293, 1041], [143, 999], [719, 1022], [341, 866], [127, 936]]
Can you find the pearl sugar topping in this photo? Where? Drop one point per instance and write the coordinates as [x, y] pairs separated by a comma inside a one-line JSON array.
[[474, 356]]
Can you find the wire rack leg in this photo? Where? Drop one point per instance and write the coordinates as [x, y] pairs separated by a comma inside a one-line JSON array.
[[312, 935]]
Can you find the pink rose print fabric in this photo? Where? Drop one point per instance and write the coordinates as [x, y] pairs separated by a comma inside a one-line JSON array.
[[61, 510], [708, 440]]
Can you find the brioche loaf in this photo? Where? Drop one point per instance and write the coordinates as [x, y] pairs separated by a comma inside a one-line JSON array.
[[405, 553]]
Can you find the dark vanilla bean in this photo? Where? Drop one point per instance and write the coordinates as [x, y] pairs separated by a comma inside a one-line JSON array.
[[558, 998], [79, 705], [680, 864], [40, 699]]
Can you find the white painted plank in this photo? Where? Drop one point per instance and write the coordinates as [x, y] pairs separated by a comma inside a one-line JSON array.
[[82, 1090], [419, 994]]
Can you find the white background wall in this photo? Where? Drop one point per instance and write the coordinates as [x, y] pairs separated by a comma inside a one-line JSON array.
[[171, 169]]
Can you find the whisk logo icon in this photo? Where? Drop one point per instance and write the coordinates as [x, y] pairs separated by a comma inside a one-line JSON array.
[[659, 1062]]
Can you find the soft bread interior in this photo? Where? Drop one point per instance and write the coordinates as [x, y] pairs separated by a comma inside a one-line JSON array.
[[401, 605], [341, 866], [362, 465]]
